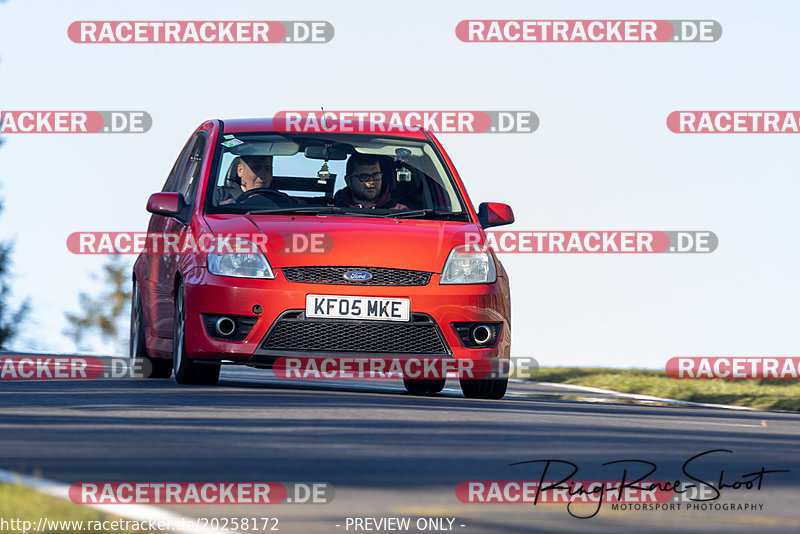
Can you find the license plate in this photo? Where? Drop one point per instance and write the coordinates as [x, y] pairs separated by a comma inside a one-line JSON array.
[[372, 308]]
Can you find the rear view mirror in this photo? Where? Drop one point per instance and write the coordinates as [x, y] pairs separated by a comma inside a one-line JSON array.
[[327, 152], [495, 214]]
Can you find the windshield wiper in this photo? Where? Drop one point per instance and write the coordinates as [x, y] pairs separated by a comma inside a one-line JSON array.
[[425, 214], [310, 210]]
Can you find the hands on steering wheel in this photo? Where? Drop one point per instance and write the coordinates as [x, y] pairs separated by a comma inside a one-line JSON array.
[[278, 197]]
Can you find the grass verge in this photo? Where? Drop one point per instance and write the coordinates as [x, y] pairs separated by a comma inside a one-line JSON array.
[[24, 504], [763, 394]]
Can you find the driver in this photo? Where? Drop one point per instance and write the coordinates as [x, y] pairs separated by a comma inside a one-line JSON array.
[[252, 172], [255, 172], [365, 187]]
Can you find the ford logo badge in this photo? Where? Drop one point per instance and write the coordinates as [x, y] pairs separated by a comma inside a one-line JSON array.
[[357, 276]]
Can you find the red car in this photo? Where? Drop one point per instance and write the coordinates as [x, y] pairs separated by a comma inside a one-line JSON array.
[[276, 243]]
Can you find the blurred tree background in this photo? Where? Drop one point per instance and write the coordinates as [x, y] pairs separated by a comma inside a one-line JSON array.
[[10, 319], [108, 312]]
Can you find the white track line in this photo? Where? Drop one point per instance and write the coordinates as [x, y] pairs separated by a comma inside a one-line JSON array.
[[136, 512], [634, 396]]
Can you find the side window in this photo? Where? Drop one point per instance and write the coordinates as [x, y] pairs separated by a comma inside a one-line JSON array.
[[168, 185], [193, 169], [187, 170]]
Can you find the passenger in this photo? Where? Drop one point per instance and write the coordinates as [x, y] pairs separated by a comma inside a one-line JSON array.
[[365, 186]]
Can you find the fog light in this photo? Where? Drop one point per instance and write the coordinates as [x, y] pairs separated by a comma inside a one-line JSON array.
[[225, 326], [482, 334], [478, 335]]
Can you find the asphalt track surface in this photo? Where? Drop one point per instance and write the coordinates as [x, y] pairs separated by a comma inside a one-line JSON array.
[[390, 454]]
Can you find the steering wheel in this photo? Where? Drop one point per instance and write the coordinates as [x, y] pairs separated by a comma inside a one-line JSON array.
[[278, 197]]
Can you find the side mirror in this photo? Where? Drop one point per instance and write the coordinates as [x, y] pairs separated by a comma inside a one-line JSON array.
[[495, 214], [167, 204]]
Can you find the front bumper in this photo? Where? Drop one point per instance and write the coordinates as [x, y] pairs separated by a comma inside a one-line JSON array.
[[208, 294]]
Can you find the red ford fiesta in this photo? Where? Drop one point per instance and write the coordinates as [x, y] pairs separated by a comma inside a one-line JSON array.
[[269, 243]]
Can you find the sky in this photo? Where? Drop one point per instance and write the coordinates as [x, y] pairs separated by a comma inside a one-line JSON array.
[[601, 159]]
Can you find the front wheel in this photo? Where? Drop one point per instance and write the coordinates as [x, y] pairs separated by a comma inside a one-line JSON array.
[[485, 388], [186, 370]]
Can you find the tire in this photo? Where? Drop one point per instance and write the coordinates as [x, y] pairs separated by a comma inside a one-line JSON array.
[[152, 367], [187, 371], [485, 388], [424, 386]]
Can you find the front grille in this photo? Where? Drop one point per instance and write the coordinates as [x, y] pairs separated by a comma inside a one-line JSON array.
[[293, 332], [381, 276]]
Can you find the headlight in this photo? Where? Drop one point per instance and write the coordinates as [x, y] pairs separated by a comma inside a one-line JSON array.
[[239, 257], [463, 267]]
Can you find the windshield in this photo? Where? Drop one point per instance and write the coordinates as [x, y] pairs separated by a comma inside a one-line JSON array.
[[332, 174]]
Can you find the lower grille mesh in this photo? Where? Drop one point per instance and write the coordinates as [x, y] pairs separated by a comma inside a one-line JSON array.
[[293, 332]]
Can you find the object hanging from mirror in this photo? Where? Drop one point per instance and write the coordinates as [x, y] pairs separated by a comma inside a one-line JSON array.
[[323, 174], [403, 174]]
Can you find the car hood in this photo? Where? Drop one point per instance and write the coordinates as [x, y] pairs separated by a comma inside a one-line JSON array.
[[416, 244]]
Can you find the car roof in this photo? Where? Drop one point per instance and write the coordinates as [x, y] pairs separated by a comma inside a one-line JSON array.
[[279, 125]]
